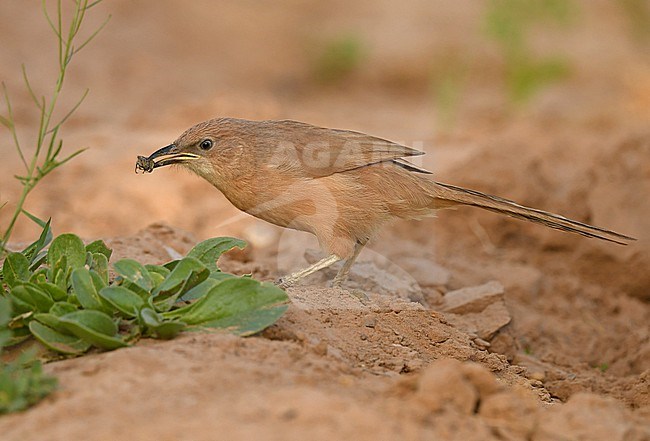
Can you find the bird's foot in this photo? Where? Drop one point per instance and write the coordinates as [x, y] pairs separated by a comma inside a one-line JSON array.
[[284, 282]]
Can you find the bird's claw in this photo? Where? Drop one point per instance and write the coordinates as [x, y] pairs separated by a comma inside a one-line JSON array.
[[283, 282]]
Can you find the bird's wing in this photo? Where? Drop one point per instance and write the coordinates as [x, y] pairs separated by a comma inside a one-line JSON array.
[[317, 152]]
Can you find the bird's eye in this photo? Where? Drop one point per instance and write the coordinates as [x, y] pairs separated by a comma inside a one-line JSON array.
[[206, 144]]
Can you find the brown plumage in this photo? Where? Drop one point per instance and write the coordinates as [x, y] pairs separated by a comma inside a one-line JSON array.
[[340, 185]]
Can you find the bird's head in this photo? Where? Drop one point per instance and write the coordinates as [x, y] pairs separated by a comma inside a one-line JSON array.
[[211, 149]]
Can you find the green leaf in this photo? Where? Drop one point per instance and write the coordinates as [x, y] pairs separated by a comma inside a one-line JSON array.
[[250, 322], [188, 273], [29, 294], [99, 264], [158, 269], [70, 246], [5, 317], [98, 281], [15, 269], [5, 311], [219, 276], [57, 341], [122, 299], [59, 272], [171, 265], [100, 247], [157, 279], [40, 222], [241, 305], [165, 303], [85, 290], [21, 303], [160, 327], [39, 276], [54, 291], [209, 251], [5, 337], [200, 290], [94, 327], [62, 308], [18, 336], [38, 260], [50, 320], [158, 274], [135, 273]]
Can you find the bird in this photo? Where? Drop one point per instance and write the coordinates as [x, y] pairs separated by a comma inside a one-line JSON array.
[[340, 185]]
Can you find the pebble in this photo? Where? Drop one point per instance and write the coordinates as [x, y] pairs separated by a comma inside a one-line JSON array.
[[473, 299]]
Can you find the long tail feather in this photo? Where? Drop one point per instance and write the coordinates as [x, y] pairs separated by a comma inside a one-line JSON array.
[[474, 198]]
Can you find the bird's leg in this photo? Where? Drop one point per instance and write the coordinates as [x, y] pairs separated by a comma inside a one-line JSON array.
[[285, 282], [342, 275]]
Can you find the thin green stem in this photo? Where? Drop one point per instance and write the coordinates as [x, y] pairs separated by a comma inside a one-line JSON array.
[[40, 165], [21, 201], [12, 126]]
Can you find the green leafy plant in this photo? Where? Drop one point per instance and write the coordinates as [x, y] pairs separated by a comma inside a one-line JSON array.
[[22, 382], [46, 155], [63, 296], [507, 22]]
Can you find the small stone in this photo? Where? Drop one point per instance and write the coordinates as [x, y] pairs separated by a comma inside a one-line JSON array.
[[481, 343], [482, 325], [472, 299]]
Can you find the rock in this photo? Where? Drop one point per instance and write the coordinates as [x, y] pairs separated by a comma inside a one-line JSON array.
[[484, 324], [535, 369], [473, 299], [376, 276], [368, 277], [505, 343], [478, 310]]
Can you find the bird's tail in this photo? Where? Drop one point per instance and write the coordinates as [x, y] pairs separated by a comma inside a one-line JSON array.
[[448, 195]]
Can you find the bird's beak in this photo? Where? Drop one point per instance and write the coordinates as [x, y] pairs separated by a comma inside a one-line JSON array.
[[166, 156]]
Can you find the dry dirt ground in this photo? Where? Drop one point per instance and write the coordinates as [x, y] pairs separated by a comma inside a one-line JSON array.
[[468, 326]]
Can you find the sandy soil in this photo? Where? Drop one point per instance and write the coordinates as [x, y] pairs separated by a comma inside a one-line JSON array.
[[468, 326]]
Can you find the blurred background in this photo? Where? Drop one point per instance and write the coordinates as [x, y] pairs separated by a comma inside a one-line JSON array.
[[543, 101]]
